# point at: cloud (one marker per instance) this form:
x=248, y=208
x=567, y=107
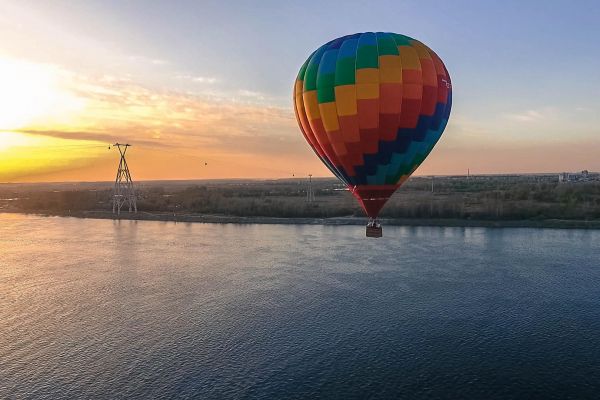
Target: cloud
x=117, y=110
x=144, y=60
x=100, y=136
x=197, y=78
x=157, y=61
x=526, y=116
x=203, y=79
x=250, y=94
x=170, y=131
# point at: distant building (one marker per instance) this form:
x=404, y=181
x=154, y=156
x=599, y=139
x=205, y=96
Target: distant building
x=563, y=177
x=583, y=176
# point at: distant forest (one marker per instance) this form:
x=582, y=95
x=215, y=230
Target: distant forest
x=527, y=197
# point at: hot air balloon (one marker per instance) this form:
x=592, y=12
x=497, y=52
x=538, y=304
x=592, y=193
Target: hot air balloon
x=372, y=106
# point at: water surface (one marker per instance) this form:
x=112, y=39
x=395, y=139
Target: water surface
x=108, y=309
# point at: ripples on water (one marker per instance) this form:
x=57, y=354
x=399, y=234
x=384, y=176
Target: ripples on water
x=106, y=309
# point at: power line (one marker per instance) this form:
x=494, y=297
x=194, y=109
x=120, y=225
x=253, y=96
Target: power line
x=66, y=147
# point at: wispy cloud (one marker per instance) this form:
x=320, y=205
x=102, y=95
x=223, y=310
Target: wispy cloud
x=117, y=109
x=203, y=79
x=582, y=109
x=144, y=60
x=526, y=116
x=197, y=78
x=251, y=94
x=158, y=61
x=173, y=128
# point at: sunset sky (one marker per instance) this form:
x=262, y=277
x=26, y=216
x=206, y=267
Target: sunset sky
x=195, y=82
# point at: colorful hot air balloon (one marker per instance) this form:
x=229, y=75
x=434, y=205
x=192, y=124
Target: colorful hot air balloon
x=372, y=106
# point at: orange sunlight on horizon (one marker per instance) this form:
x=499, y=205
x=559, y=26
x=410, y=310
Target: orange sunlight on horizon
x=57, y=126
x=32, y=95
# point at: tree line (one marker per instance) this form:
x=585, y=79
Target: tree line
x=488, y=198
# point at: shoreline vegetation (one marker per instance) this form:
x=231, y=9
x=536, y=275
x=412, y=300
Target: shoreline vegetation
x=535, y=201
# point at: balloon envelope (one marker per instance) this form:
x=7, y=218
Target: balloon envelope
x=372, y=106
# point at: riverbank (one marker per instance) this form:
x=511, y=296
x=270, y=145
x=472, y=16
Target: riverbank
x=230, y=219
x=538, y=201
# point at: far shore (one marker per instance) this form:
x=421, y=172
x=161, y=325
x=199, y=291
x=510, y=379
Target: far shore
x=350, y=220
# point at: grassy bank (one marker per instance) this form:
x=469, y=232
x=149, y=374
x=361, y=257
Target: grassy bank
x=227, y=219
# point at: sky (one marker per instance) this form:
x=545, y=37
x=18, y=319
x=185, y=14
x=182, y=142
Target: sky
x=203, y=89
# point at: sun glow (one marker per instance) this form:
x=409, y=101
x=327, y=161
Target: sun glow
x=8, y=140
x=38, y=97
x=24, y=157
x=32, y=94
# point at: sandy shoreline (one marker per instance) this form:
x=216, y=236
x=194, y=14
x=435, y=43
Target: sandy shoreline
x=226, y=219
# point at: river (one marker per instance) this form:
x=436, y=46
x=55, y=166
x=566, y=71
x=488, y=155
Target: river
x=146, y=309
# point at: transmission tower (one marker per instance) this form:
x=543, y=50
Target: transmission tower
x=310, y=194
x=124, y=191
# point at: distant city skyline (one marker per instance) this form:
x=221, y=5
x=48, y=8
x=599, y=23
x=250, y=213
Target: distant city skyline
x=203, y=89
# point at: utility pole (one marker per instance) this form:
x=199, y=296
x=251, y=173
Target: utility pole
x=310, y=195
x=124, y=191
x=431, y=198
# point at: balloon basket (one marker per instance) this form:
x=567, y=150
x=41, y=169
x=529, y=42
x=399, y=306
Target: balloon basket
x=374, y=229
